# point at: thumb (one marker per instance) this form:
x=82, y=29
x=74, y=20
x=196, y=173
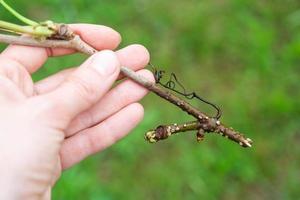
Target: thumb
x=85, y=86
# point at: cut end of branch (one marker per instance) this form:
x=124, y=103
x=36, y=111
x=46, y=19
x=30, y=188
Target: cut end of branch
x=246, y=143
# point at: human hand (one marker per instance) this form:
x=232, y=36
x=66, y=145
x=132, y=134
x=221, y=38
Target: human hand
x=51, y=125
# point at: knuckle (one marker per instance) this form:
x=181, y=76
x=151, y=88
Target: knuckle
x=86, y=119
x=92, y=145
x=123, y=96
x=107, y=133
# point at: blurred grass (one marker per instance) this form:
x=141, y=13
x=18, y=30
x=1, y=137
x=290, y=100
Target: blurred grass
x=242, y=54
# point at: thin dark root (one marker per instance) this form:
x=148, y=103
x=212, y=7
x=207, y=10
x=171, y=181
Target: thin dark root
x=171, y=85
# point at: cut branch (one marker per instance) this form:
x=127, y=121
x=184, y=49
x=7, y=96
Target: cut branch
x=204, y=124
x=165, y=131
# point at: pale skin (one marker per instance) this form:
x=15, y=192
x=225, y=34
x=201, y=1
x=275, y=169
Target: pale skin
x=49, y=126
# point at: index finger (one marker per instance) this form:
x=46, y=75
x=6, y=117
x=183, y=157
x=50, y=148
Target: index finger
x=32, y=58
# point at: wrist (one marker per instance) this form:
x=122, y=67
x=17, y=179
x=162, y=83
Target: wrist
x=19, y=185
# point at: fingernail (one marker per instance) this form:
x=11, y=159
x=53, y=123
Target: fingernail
x=105, y=62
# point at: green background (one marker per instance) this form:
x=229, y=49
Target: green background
x=242, y=54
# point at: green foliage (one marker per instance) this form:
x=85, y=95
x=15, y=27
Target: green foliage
x=243, y=55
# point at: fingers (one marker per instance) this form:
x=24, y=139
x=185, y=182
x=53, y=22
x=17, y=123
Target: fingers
x=119, y=97
x=97, y=138
x=86, y=85
x=134, y=56
x=32, y=58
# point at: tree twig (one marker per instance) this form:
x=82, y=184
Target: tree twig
x=164, y=131
x=204, y=124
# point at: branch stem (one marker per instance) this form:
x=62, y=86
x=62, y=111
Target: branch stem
x=29, y=41
x=203, y=124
